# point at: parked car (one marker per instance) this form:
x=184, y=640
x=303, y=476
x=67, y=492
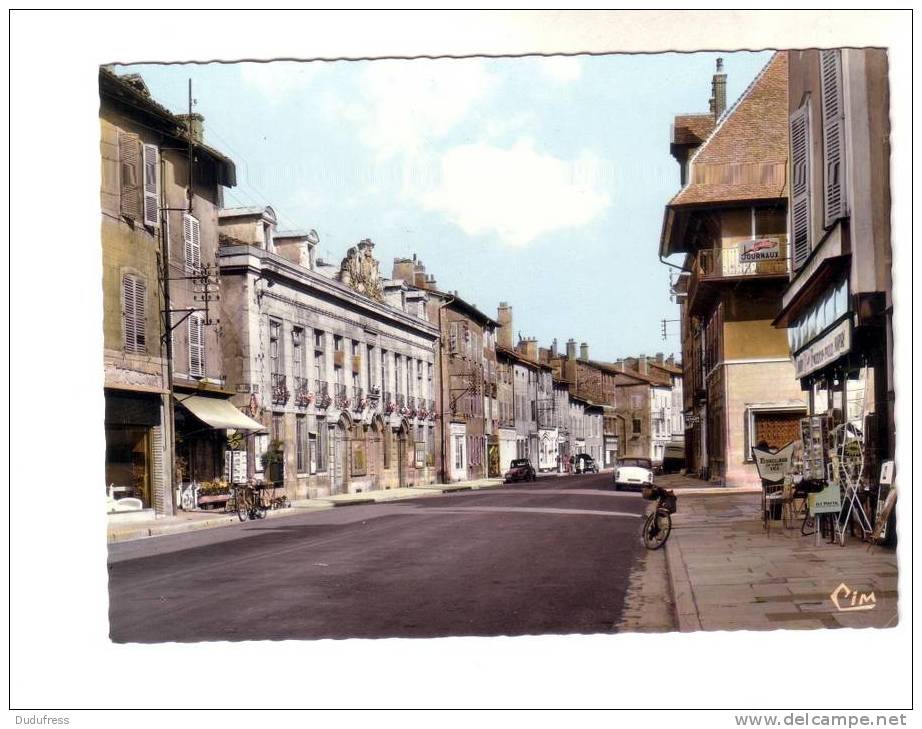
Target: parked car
x=520, y=470
x=633, y=473
x=584, y=463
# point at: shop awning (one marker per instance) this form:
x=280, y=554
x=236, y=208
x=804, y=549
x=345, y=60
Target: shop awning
x=218, y=413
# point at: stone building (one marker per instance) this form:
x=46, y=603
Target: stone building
x=336, y=361
x=729, y=221
x=159, y=235
x=837, y=306
x=466, y=399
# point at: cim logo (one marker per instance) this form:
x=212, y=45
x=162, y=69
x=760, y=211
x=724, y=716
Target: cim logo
x=845, y=599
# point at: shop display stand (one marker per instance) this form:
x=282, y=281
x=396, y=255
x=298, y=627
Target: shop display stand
x=847, y=467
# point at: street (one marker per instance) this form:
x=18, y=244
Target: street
x=552, y=556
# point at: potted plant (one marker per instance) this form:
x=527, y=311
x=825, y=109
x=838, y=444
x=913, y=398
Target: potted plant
x=273, y=462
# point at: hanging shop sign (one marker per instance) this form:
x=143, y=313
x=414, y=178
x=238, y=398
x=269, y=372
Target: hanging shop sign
x=774, y=465
x=824, y=350
x=760, y=249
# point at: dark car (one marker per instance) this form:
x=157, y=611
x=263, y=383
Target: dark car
x=520, y=470
x=584, y=463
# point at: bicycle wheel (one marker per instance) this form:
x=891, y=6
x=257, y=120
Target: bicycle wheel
x=656, y=529
x=260, y=504
x=243, y=505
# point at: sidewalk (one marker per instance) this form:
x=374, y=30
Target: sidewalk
x=187, y=521
x=726, y=574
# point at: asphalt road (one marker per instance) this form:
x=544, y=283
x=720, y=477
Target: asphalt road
x=547, y=557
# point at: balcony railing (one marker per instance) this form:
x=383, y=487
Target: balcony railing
x=303, y=395
x=742, y=261
x=323, y=394
x=280, y=393
x=358, y=399
x=411, y=403
x=340, y=397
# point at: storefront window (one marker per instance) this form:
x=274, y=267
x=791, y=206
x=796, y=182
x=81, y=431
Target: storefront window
x=128, y=461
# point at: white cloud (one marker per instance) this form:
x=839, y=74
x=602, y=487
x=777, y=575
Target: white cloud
x=405, y=106
x=279, y=80
x=516, y=194
x=561, y=68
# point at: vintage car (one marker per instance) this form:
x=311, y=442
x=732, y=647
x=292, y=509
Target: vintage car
x=520, y=470
x=584, y=463
x=633, y=473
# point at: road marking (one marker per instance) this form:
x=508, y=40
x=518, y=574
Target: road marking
x=524, y=510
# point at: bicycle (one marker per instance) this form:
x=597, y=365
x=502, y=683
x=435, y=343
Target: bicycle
x=251, y=502
x=658, y=523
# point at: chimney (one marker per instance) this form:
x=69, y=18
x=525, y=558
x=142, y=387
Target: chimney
x=554, y=348
x=571, y=350
x=504, y=330
x=659, y=358
x=530, y=349
x=429, y=283
x=584, y=352
x=670, y=360
x=719, y=91
x=642, y=364
x=404, y=269
x=419, y=274
x=198, y=126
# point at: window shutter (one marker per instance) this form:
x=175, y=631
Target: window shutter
x=196, y=346
x=151, y=185
x=833, y=137
x=129, y=161
x=800, y=230
x=134, y=292
x=192, y=243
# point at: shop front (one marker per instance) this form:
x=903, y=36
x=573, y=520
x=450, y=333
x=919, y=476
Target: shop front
x=841, y=360
x=211, y=448
x=135, y=449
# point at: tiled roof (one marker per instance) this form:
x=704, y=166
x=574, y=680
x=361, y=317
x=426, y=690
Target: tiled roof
x=692, y=128
x=745, y=157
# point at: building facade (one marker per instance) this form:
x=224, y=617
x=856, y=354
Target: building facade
x=729, y=220
x=837, y=307
x=337, y=362
x=161, y=186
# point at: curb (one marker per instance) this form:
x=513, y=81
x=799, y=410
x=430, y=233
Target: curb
x=683, y=596
x=132, y=534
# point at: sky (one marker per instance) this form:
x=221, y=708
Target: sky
x=538, y=181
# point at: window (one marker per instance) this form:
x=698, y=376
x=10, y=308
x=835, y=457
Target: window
x=129, y=164
x=134, y=321
x=369, y=366
x=151, y=185
x=322, y=440
x=192, y=243
x=833, y=136
x=197, y=344
x=318, y=339
x=312, y=451
x=297, y=356
x=384, y=380
x=320, y=367
x=301, y=445
x=337, y=343
x=636, y=426
x=275, y=356
x=278, y=433
x=800, y=222
x=419, y=379
x=355, y=348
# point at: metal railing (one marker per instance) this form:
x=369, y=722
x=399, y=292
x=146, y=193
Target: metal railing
x=340, y=398
x=280, y=392
x=358, y=396
x=322, y=394
x=302, y=392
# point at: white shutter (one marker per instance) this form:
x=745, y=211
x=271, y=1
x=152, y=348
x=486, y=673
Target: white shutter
x=129, y=164
x=800, y=227
x=192, y=243
x=833, y=137
x=151, y=185
x=140, y=320
x=196, y=345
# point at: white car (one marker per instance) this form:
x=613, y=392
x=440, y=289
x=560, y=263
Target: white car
x=633, y=473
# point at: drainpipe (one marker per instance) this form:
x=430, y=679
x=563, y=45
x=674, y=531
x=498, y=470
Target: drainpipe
x=451, y=300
